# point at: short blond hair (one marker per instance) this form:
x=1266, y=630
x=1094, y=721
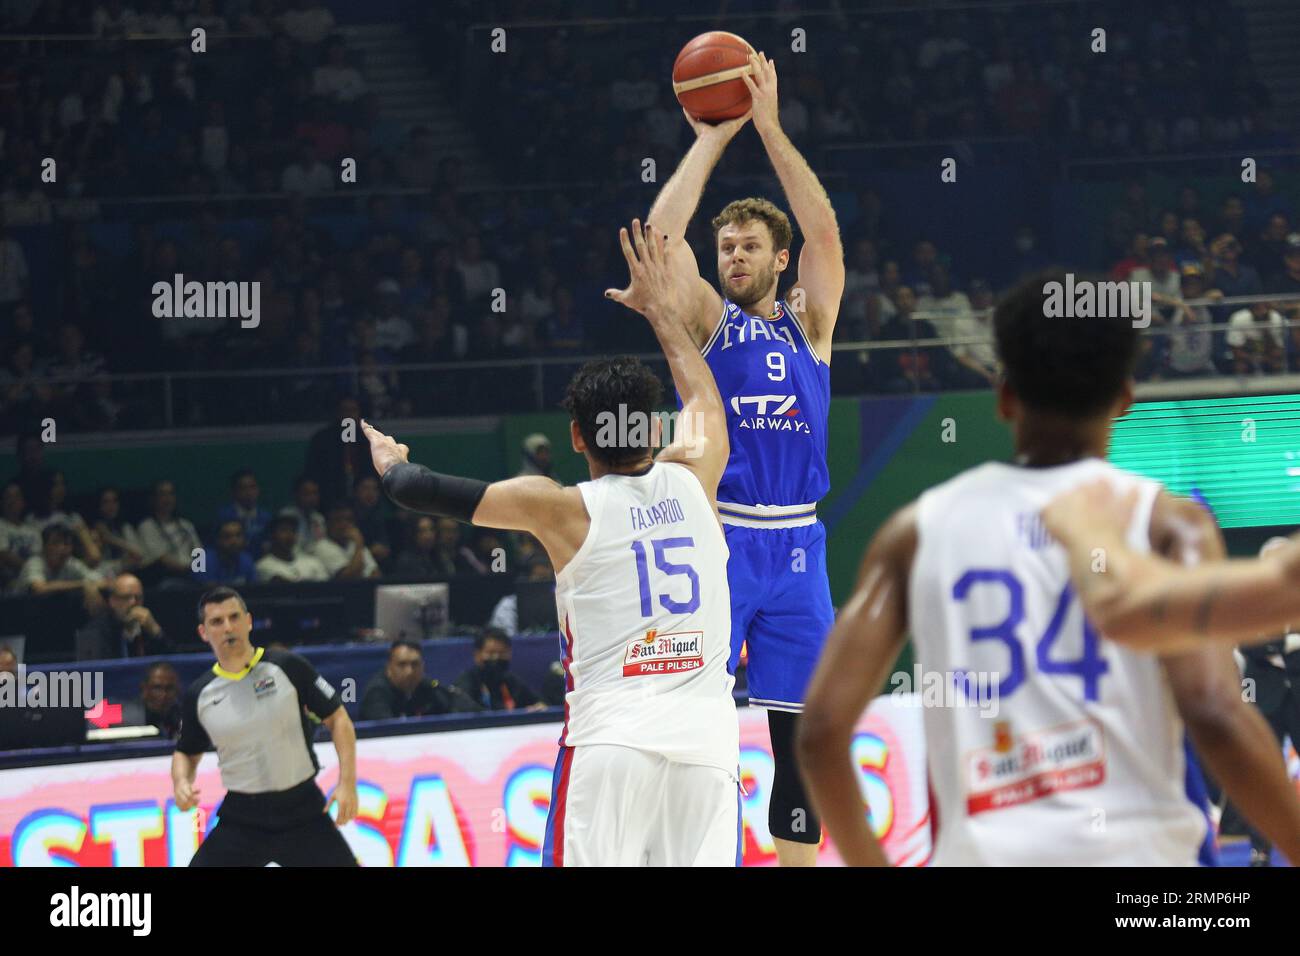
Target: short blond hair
x=754, y=209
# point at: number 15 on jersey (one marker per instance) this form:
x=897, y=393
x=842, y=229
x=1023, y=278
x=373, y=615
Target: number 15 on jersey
x=668, y=599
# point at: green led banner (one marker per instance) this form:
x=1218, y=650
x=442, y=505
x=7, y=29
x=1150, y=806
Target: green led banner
x=1240, y=456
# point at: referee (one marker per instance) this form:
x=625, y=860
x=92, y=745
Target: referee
x=250, y=709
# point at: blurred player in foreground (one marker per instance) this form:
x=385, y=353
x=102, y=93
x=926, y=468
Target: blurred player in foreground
x=1146, y=602
x=648, y=765
x=250, y=709
x=1083, y=759
x=770, y=358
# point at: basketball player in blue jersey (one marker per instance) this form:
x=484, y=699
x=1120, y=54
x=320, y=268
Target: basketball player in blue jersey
x=770, y=358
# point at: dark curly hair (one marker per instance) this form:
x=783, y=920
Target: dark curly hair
x=1072, y=366
x=599, y=388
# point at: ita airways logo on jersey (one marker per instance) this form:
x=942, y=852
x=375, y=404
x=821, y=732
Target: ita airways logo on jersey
x=264, y=687
x=657, y=653
x=773, y=413
x=1020, y=769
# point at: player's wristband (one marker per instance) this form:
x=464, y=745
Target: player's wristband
x=416, y=487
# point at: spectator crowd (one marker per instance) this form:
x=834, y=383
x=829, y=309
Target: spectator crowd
x=442, y=273
x=334, y=524
x=166, y=162
x=109, y=560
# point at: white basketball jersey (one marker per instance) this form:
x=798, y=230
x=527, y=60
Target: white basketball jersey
x=1046, y=745
x=645, y=622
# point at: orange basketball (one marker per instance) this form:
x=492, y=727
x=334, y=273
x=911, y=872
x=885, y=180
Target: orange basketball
x=707, y=76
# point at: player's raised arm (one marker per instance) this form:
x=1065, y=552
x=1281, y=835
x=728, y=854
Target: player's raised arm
x=677, y=200
x=1150, y=603
x=861, y=648
x=653, y=290
x=676, y=204
x=529, y=503
x=821, y=261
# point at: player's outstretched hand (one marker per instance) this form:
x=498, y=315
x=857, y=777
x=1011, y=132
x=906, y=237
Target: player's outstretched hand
x=723, y=131
x=186, y=796
x=345, y=798
x=761, y=81
x=385, y=452
x=651, y=290
x=1092, y=508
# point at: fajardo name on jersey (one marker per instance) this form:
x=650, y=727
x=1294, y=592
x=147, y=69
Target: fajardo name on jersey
x=658, y=653
x=664, y=512
x=773, y=413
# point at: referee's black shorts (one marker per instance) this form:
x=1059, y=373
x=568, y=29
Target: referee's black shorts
x=288, y=828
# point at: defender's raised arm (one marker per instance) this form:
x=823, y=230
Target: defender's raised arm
x=701, y=442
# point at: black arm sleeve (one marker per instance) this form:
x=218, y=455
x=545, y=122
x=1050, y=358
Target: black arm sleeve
x=416, y=487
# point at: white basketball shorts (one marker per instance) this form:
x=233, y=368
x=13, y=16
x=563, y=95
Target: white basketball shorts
x=618, y=806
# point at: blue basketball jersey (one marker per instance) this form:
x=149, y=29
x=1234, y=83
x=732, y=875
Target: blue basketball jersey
x=777, y=394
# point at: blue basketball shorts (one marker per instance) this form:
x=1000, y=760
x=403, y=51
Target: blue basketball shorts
x=780, y=607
